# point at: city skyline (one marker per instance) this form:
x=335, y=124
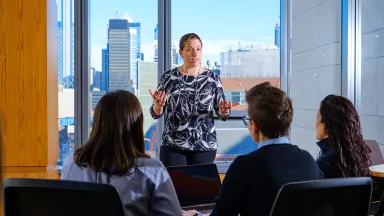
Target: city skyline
x=218, y=35
x=218, y=30
x=124, y=54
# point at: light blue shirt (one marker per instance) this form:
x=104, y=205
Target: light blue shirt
x=148, y=191
x=280, y=140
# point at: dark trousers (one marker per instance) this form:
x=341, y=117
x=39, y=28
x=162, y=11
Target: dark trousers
x=170, y=156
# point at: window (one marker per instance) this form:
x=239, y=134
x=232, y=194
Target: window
x=66, y=74
x=371, y=97
x=235, y=97
x=240, y=39
x=123, y=37
x=315, y=65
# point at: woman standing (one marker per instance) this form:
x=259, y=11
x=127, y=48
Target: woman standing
x=189, y=93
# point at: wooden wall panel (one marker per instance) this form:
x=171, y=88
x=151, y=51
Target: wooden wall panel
x=28, y=83
x=28, y=88
x=29, y=173
x=52, y=84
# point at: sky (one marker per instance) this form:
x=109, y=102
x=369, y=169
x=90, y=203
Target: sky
x=221, y=24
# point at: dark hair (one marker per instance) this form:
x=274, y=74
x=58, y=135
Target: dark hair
x=187, y=37
x=117, y=136
x=342, y=125
x=271, y=109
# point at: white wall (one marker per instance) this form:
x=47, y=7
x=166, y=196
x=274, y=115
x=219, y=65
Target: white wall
x=315, y=64
x=372, y=73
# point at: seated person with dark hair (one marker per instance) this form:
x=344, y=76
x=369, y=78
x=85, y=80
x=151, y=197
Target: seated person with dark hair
x=253, y=180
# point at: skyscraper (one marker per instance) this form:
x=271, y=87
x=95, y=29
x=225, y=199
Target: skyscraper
x=277, y=35
x=67, y=16
x=137, y=26
x=155, y=51
x=60, y=77
x=134, y=57
x=174, y=52
x=97, y=79
x=135, y=48
x=119, y=55
x=104, y=83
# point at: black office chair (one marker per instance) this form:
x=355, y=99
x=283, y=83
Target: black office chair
x=44, y=197
x=331, y=197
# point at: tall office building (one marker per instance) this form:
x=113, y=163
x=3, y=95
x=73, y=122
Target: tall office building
x=155, y=51
x=174, y=52
x=147, y=76
x=97, y=78
x=137, y=27
x=66, y=45
x=134, y=57
x=277, y=35
x=104, y=83
x=119, y=55
x=155, y=46
x=60, y=77
x=68, y=41
x=135, y=48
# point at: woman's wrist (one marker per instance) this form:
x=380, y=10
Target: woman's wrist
x=157, y=110
x=157, y=107
x=224, y=113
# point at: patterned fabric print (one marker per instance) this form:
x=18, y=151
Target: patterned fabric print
x=191, y=100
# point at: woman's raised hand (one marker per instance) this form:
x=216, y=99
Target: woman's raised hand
x=159, y=98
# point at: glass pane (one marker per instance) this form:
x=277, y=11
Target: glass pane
x=66, y=96
x=372, y=71
x=241, y=43
x=315, y=65
x=123, y=44
x=235, y=97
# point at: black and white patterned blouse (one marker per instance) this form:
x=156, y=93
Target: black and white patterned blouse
x=191, y=100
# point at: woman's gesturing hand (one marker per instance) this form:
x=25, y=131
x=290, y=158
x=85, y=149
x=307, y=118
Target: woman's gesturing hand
x=159, y=98
x=225, y=107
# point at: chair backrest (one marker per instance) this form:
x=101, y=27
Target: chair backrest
x=331, y=197
x=44, y=197
x=376, y=156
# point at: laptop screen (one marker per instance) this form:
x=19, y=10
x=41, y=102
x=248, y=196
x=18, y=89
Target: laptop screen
x=196, y=184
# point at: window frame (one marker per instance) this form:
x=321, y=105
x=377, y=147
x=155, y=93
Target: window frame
x=82, y=64
x=81, y=73
x=351, y=51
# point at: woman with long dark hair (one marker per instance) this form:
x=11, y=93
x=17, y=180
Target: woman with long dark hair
x=115, y=154
x=343, y=151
